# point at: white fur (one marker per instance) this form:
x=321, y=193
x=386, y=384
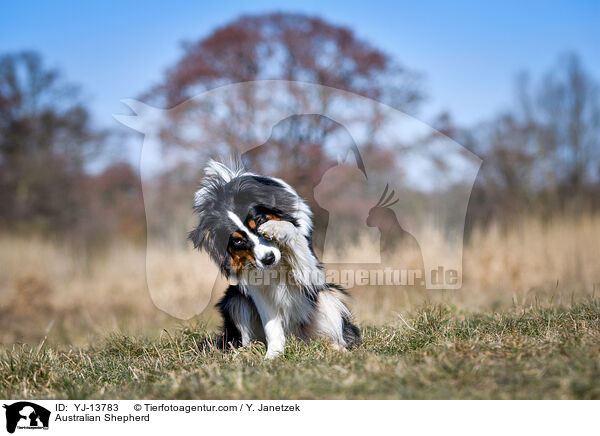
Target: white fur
x=260, y=249
x=216, y=171
x=283, y=307
x=302, y=213
x=328, y=317
x=303, y=264
x=247, y=321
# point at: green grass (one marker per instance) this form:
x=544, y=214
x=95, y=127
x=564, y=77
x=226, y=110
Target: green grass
x=533, y=352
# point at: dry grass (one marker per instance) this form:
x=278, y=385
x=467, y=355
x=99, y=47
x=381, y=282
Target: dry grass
x=520, y=353
x=554, y=263
x=81, y=295
x=524, y=325
x=77, y=295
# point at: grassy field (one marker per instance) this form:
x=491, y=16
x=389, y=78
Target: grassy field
x=435, y=352
x=526, y=324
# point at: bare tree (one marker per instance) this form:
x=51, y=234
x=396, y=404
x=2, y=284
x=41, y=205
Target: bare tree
x=542, y=155
x=291, y=47
x=568, y=117
x=45, y=139
x=281, y=46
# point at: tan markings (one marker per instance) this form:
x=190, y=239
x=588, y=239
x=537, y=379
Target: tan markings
x=252, y=224
x=272, y=217
x=237, y=235
x=240, y=258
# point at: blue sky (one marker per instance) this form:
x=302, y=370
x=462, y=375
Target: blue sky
x=469, y=51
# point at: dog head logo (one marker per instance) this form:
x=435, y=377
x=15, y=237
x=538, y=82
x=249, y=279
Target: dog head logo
x=371, y=151
x=26, y=415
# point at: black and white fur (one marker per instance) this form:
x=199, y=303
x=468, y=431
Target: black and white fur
x=255, y=224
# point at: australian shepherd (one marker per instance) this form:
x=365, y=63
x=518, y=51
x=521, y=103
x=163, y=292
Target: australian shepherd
x=258, y=231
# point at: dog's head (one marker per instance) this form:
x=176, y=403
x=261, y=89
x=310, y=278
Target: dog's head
x=232, y=205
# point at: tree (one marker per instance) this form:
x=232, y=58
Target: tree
x=291, y=47
x=568, y=118
x=46, y=138
x=542, y=155
x=281, y=46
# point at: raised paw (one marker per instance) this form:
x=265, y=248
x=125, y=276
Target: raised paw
x=278, y=231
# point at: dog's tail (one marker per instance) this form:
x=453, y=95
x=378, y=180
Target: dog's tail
x=350, y=332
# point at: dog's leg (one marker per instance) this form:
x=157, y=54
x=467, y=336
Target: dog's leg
x=328, y=319
x=304, y=265
x=272, y=325
x=334, y=321
x=246, y=323
x=278, y=231
x=275, y=337
x=241, y=319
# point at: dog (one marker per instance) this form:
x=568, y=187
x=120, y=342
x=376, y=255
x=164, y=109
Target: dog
x=258, y=231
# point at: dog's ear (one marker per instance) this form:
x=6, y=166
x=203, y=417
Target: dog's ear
x=197, y=238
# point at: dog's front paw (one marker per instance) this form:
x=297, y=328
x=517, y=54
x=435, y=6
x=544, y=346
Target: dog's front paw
x=278, y=231
x=273, y=354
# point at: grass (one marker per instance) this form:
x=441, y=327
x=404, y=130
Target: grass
x=85, y=293
x=433, y=352
x=524, y=325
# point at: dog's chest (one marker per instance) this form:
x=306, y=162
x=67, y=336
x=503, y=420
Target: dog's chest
x=293, y=306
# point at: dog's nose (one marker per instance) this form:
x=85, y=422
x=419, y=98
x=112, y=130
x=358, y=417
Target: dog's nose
x=268, y=259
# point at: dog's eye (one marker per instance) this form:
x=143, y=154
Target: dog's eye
x=238, y=242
